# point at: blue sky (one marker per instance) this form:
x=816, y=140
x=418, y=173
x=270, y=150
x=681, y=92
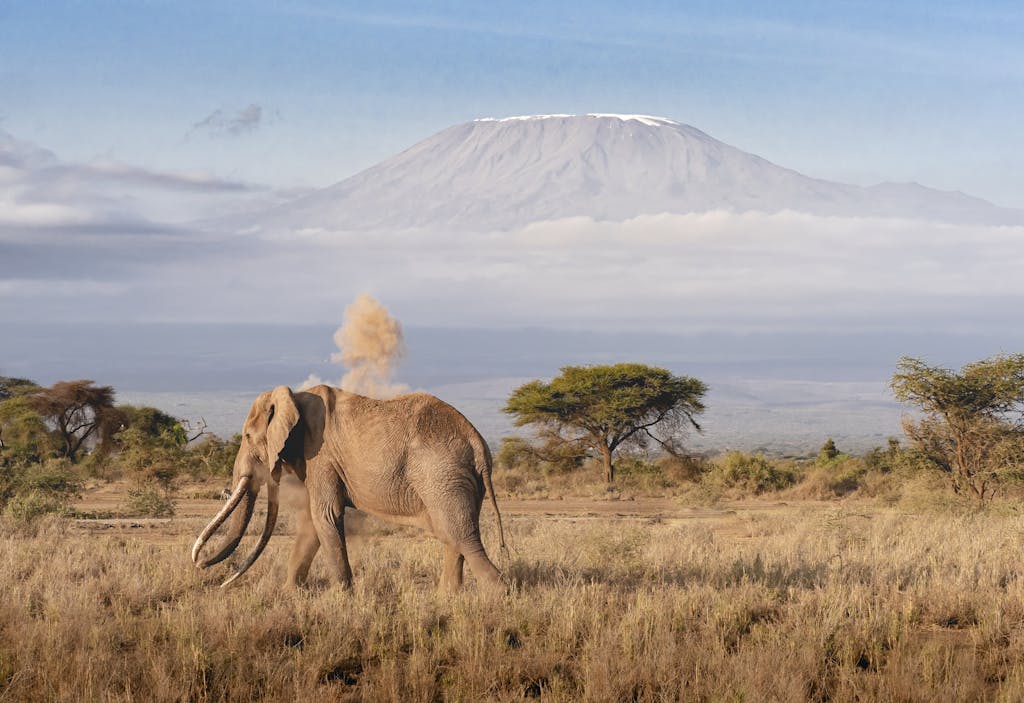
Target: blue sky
x=300, y=94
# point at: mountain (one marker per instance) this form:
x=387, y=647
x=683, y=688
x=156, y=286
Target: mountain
x=495, y=174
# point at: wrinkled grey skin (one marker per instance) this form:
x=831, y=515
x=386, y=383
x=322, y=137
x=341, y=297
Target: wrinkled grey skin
x=414, y=460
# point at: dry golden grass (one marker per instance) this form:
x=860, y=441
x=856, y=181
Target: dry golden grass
x=762, y=603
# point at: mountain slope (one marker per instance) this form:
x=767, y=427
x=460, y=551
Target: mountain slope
x=504, y=173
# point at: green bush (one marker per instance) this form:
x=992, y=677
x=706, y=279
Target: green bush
x=32, y=505
x=635, y=465
x=29, y=490
x=26, y=438
x=554, y=457
x=212, y=457
x=828, y=452
x=752, y=473
x=149, y=501
x=516, y=453
x=883, y=458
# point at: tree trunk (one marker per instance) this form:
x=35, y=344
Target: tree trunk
x=606, y=457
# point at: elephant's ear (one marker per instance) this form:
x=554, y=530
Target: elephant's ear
x=283, y=416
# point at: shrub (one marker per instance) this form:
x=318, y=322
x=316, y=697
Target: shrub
x=681, y=469
x=149, y=501
x=24, y=433
x=884, y=459
x=828, y=452
x=841, y=476
x=28, y=491
x=553, y=457
x=752, y=473
x=212, y=457
x=30, y=506
x=635, y=466
x=516, y=453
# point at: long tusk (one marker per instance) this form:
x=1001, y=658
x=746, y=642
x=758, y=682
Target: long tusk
x=220, y=517
x=268, y=530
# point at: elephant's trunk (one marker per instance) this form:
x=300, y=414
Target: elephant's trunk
x=268, y=530
x=239, y=521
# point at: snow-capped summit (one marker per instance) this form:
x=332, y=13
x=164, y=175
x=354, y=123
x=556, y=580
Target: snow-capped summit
x=643, y=119
x=501, y=173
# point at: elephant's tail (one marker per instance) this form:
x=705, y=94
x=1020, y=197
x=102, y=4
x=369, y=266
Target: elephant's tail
x=484, y=466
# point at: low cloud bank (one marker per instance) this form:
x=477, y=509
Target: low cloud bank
x=707, y=271
x=710, y=271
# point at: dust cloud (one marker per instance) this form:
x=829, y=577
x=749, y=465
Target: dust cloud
x=371, y=346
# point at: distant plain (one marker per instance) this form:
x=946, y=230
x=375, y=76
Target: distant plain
x=784, y=393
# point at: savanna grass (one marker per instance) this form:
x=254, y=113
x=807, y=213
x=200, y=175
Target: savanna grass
x=787, y=604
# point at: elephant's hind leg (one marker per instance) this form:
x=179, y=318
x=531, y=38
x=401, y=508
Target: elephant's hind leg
x=459, y=529
x=451, y=577
x=480, y=564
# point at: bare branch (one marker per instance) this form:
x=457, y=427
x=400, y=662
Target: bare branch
x=194, y=433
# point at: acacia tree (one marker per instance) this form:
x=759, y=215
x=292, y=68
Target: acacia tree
x=604, y=407
x=972, y=427
x=77, y=410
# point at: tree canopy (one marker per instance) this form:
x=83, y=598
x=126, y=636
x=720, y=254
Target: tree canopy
x=972, y=423
x=77, y=410
x=11, y=387
x=604, y=407
x=152, y=425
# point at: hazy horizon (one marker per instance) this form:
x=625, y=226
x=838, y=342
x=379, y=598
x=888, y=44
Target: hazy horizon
x=781, y=392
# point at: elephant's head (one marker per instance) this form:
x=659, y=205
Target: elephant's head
x=270, y=437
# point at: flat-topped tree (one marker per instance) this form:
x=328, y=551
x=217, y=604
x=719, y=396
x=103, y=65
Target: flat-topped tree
x=971, y=425
x=604, y=407
x=77, y=410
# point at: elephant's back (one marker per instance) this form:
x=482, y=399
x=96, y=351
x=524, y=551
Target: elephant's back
x=440, y=421
x=414, y=423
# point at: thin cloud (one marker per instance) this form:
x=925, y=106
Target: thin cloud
x=197, y=182
x=222, y=123
x=24, y=166
x=98, y=226
x=48, y=202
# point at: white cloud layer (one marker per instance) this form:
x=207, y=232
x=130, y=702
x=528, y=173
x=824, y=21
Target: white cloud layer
x=709, y=271
x=713, y=271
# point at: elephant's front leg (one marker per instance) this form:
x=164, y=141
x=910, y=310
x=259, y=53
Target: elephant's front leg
x=306, y=545
x=327, y=511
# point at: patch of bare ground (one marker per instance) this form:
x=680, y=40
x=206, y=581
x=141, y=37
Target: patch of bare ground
x=645, y=600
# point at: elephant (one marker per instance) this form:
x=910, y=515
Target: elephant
x=413, y=460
